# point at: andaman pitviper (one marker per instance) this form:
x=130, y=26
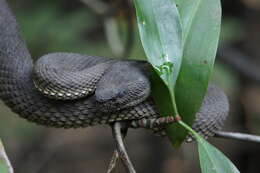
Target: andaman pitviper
x=83, y=90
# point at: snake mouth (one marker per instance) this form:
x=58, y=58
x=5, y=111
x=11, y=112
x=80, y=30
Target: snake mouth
x=111, y=100
x=114, y=101
x=114, y=104
x=109, y=107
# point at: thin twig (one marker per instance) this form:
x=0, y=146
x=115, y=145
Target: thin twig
x=4, y=158
x=117, y=127
x=118, y=47
x=238, y=136
x=97, y=6
x=113, y=36
x=113, y=162
x=239, y=62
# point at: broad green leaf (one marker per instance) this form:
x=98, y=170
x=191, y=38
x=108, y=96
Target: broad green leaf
x=212, y=160
x=201, y=20
x=3, y=164
x=161, y=36
x=3, y=167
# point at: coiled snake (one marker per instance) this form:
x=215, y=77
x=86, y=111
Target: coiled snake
x=67, y=90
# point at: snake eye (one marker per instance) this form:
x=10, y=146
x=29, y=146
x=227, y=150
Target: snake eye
x=120, y=94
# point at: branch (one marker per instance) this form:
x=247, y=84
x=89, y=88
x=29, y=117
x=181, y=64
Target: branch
x=97, y=6
x=119, y=48
x=113, y=36
x=113, y=162
x=115, y=157
x=238, y=136
x=239, y=62
x=116, y=129
x=4, y=158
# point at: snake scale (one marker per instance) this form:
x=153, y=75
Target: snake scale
x=68, y=90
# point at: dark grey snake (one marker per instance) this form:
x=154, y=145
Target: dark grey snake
x=67, y=90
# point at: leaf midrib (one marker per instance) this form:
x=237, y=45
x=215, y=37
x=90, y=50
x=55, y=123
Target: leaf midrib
x=208, y=153
x=194, y=12
x=157, y=29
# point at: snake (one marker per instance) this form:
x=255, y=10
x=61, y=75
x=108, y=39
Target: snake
x=70, y=90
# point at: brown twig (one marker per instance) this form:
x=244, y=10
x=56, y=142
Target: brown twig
x=113, y=162
x=117, y=134
x=4, y=158
x=238, y=136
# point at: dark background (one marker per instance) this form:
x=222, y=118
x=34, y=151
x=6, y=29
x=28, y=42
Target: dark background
x=72, y=26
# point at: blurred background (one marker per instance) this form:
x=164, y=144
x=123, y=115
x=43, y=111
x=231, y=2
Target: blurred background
x=108, y=28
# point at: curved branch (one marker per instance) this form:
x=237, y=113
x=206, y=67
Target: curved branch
x=239, y=62
x=121, y=147
x=238, y=136
x=113, y=162
x=97, y=6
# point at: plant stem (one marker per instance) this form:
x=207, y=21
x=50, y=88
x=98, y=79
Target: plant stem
x=187, y=127
x=176, y=113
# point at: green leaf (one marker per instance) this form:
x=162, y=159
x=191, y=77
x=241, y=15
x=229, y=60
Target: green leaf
x=201, y=21
x=212, y=160
x=3, y=164
x=3, y=167
x=161, y=36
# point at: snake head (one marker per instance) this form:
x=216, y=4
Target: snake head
x=124, y=85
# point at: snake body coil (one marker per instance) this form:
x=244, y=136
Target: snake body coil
x=69, y=90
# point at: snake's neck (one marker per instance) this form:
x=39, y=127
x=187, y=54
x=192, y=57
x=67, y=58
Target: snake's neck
x=15, y=61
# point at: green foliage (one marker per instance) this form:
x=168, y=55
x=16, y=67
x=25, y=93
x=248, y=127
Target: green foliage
x=161, y=35
x=232, y=30
x=166, y=47
x=3, y=164
x=3, y=167
x=211, y=159
x=56, y=31
x=201, y=21
x=192, y=53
